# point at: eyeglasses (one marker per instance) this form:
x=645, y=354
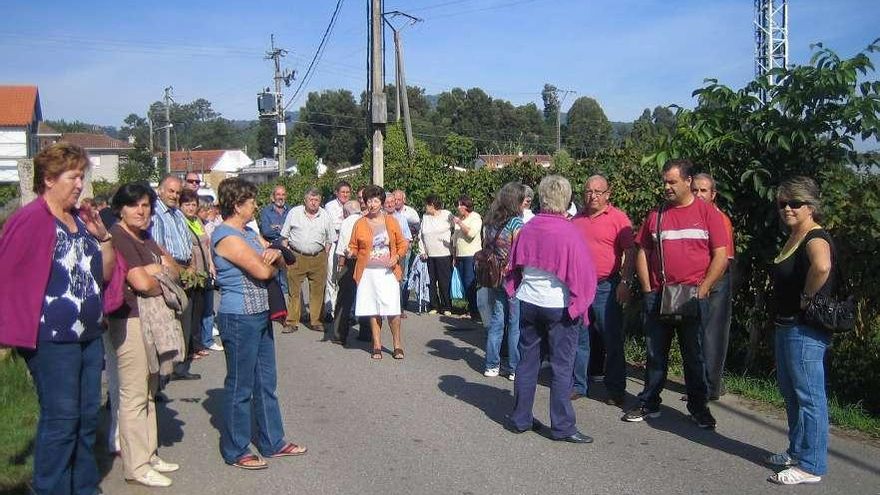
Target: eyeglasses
x=194, y=181
x=595, y=193
x=793, y=204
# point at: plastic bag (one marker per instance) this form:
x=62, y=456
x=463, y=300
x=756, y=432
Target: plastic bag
x=456, y=288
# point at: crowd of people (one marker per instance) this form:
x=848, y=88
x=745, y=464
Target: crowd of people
x=132, y=287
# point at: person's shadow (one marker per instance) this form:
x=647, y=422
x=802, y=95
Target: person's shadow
x=445, y=349
x=496, y=403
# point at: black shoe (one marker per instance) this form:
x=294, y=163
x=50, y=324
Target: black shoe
x=640, y=413
x=704, y=419
x=289, y=328
x=161, y=397
x=536, y=426
x=616, y=400
x=186, y=376
x=576, y=437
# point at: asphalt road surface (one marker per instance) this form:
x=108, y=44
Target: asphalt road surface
x=432, y=423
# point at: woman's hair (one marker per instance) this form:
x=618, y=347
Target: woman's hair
x=467, y=202
x=434, y=200
x=804, y=189
x=55, y=160
x=187, y=196
x=506, y=205
x=233, y=192
x=554, y=192
x=129, y=194
x=374, y=191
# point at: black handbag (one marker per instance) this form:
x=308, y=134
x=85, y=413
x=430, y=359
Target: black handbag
x=833, y=313
x=678, y=302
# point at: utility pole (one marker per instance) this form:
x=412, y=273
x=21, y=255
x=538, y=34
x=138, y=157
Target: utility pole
x=378, y=103
x=150, y=123
x=285, y=77
x=402, y=97
x=168, y=126
x=559, y=101
x=771, y=38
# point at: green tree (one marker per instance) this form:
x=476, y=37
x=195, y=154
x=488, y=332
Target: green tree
x=335, y=123
x=138, y=166
x=459, y=149
x=588, y=129
x=302, y=150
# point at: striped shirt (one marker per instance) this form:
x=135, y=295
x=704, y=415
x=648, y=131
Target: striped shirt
x=689, y=234
x=169, y=230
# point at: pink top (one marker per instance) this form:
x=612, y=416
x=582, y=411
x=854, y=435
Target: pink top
x=689, y=234
x=608, y=235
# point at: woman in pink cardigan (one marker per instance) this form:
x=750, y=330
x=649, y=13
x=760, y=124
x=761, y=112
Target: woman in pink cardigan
x=552, y=274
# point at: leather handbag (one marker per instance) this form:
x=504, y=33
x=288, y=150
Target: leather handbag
x=678, y=302
x=830, y=313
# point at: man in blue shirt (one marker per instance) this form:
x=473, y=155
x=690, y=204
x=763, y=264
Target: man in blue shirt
x=169, y=230
x=272, y=215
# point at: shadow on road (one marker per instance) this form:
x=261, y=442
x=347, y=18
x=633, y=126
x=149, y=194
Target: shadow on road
x=447, y=350
x=213, y=406
x=494, y=402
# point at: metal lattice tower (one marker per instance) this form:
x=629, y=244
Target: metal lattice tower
x=771, y=36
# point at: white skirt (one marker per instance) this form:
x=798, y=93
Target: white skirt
x=378, y=293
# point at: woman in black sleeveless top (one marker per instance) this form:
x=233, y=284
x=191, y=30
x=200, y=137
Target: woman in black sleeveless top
x=802, y=269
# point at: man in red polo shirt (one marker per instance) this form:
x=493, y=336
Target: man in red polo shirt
x=609, y=235
x=716, y=320
x=694, y=252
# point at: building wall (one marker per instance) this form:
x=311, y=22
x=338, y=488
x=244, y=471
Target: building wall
x=13, y=147
x=104, y=166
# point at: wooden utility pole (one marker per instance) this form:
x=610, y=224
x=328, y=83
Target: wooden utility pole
x=285, y=77
x=168, y=126
x=378, y=104
x=402, y=97
x=559, y=101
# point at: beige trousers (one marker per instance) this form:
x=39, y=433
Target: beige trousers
x=313, y=268
x=137, y=389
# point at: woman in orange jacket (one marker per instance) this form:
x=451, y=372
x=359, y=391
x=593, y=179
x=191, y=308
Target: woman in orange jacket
x=378, y=245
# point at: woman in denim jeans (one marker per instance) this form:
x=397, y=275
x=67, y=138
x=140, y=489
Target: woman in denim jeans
x=802, y=270
x=502, y=224
x=244, y=263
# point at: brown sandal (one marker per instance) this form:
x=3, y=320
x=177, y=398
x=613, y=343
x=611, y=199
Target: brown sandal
x=397, y=354
x=377, y=354
x=291, y=449
x=250, y=462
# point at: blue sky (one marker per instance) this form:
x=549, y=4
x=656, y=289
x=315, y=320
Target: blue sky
x=98, y=61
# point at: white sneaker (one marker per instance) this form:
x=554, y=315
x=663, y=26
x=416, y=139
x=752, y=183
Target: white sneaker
x=491, y=372
x=162, y=466
x=511, y=376
x=216, y=346
x=215, y=332
x=152, y=478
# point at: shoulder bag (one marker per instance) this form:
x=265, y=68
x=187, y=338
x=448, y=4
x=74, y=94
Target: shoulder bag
x=487, y=265
x=678, y=302
x=831, y=312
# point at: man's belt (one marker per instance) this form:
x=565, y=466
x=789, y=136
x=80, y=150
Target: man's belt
x=297, y=251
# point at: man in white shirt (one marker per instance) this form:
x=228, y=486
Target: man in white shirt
x=338, y=331
x=308, y=231
x=334, y=208
x=410, y=228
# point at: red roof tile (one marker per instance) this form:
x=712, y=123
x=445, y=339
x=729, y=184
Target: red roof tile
x=44, y=129
x=201, y=161
x=92, y=141
x=17, y=105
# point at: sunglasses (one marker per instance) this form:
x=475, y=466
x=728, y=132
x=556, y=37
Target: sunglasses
x=194, y=181
x=793, y=204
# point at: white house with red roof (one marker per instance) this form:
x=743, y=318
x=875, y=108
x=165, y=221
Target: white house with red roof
x=20, y=116
x=106, y=153
x=212, y=165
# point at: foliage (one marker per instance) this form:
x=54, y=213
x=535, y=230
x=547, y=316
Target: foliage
x=139, y=166
x=302, y=150
x=551, y=102
x=20, y=411
x=753, y=138
x=588, y=129
x=104, y=188
x=335, y=125
x=63, y=126
x=460, y=150
x=8, y=192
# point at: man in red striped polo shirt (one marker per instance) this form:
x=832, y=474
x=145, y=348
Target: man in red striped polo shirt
x=694, y=249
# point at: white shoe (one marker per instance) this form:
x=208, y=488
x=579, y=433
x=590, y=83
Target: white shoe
x=215, y=332
x=162, y=466
x=511, y=376
x=216, y=346
x=152, y=478
x=491, y=372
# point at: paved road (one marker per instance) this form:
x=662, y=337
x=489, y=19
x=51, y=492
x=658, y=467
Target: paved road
x=432, y=424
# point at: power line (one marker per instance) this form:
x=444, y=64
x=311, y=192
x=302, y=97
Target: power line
x=324, y=38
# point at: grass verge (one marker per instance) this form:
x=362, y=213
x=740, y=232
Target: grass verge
x=19, y=411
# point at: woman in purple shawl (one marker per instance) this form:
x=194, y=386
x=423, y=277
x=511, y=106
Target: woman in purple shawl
x=552, y=274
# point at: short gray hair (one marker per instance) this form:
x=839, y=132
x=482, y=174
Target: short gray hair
x=555, y=194
x=804, y=189
x=705, y=176
x=528, y=192
x=312, y=191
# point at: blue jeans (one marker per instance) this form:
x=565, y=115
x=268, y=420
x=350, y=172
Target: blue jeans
x=716, y=333
x=800, y=371
x=207, y=323
x=67, y=377
x=505, y=314
x=468, y=281
x=658, y=339
x=249, y=346
x=554, y=326
x=606, y=331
